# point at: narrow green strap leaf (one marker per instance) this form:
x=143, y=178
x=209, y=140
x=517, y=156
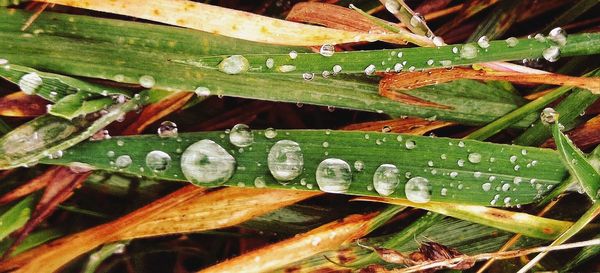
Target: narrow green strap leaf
x=78, y=104
x=32, y=240
x=96, y=258
x=458, y=171
x=15, y=217
x=578, y=166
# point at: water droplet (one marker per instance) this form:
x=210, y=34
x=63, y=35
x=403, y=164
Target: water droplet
x=123, y=161
x=418, y=190
x=412, y=68
x=392, y=6
x=285, y=160
x=241, y=135
x=399, y=138
x=430, y=163
x=207, y=162
x=30, y=82
x=438, y=41
x=293, y=54
x=491, y=178
x=474, y=158
x=337, y=69
x=100, y=135
x=398, y=67
x=147, y=81
x=308, y=76
x=286, y=68
x=486, y=186
x=551, y=53
x=269, y=63
x=512, y=41
x=468, y=51
x=483, y=42
x=549, y=116
x=513, y=159
x=385, y=179
x=359, y=165
x=540, y=38
x=506, y=187
x=202, y=91
x=110, y=153
x=444, y=192
x=370, y=70
x=260, y=182
x=325, y=144
x=453, y=174
x=234, y=64
x=416, y=20
x=446, y=63
x=410, y=144
x=334, y=175
x=327, y=50
x=158, y=160
x=326, y=74
x=430, y=62
x=270, y=133
x=167, y=129
x=477, y=174
x=443, y=156
x=460, y=162
x=558, y=35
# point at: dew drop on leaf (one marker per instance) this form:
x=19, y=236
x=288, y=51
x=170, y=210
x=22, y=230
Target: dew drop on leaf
x=158, y=160
x=474, y=158
x=270, y=133
x=549, y=116
x=285, y=160
x=260, y=182
x=359, y=165
x=486, y=186
x=418, y=190
x=483, y=42
x=202, y=91
x=370, y=70
x=241, y=135
x=385, y=179
x=558, y=36
x=147, y=81
x=512, y=42
x=30, y=82
x=207, y=162
x=167, y=129
x=327, y=50
x=234, y=64
x=410, y=144
x=334, y=175
x=551, y=53
x=123, y=161
x=468, y=51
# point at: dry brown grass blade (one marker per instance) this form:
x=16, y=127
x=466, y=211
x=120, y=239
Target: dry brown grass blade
x=156, y=111
x=415, y=126
x=60, y=186
x=185, y=210
x=390, y=83
x=30, y=186
x=411, y=80
x=326, y=237
x=338, y=17
x=427, y=7
x=226, y=22
x=19, y=104
x=585, y=136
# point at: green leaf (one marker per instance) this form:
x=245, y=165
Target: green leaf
x=503, y=170
x=32, y=240
x=15, y=217
x=578, y=166
x=75, y=105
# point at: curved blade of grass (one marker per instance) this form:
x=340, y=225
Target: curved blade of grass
x=150, y=47
x=571, y=14
x=516, y=222
x=16, y=216
x=534, y=106
x=323, y=238
x=433, y=158
x=404, y=13
x=227, y=22
x=589, y=179
x=578, y=166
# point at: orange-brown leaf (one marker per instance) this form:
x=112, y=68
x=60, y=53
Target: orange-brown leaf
x=416, y=126
x=30, y=186
x=19, y=104
x=156, y=111
x=584, y=136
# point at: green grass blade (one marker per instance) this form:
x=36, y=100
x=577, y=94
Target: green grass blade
x=522, y=173
x=578, y=166
x=4, y=128
x=16, y=216
x=32, y=240
x=498, y=21
x=571, y=14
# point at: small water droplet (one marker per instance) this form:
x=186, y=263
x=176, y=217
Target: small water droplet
x=285, y=160
x=158, y=160
x=438, y=41
x=334, y=175
x=110, y=153
x=477, y=174
x=398, y=67
x=468, y=51
x=202, y=91
x=359, y=165
x=207, y=162
x=241, y=135
x=540, y=38
x=549, y=116
x=123, y=161
x=505, y=187
x=460, y=162
x=337, y=69
x=286, y=68
x=558, y=36
x=551, y=53
x=399, y=138
x=370, y=70
x=270, y=133
x=392, y=6
x=453, y=174
x=483, y=42
x=410, y=144
x=260, y=182
x=430, y=62
x=30, y=82
x=269, y=63
x=385, y=179
x=418, y=190
x=234, y=64
x=444, y=192
x=327, y=50
x=416, y=20
x=513, y=159
x=147, y=81
x=293, y=54
x=308, y=76
x=486, y=186
x=474, y=158
x=512, y=42
x=167, y=129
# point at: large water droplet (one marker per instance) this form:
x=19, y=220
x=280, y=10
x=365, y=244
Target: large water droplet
x=549, y=116
x=234, y=64
x=551, y=53
x=416, y=20
x=483, y=42
x=167, y=129
x=392, y=6
x=474, y=158
x=334, y=175
x=30, y=82
x=241, y=135
x=207, y=162
x=437, y=41
x=558, y=35
x=512, y=42
x=327, y=50
x=123, y=161
x=486, y=186
x=418, y=190
x=385, y=179
x=410, y=144
x=147, y=81
x=158, y=160
x=468, y=51
x=285, y=160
